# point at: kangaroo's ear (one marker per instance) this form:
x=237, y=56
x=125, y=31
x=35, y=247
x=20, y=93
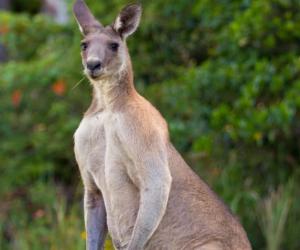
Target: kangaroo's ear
x=85, y=19
x=128, y=20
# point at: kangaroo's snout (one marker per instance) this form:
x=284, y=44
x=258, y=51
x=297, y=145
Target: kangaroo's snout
x=93, y=65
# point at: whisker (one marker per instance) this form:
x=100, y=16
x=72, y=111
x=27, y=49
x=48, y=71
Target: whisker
x=76, y=85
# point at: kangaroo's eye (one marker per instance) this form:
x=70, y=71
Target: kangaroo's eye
x=114, y=46
x=83, y=46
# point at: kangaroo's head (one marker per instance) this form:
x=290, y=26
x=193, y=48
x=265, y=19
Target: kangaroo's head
x=103, y=48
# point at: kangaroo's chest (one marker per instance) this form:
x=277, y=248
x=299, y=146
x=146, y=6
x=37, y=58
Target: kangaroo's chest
x=99, y=151
x=90, y=146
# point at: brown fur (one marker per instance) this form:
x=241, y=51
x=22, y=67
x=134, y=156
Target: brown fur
x=136, y=183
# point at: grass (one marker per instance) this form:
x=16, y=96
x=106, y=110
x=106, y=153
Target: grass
x=273, y=212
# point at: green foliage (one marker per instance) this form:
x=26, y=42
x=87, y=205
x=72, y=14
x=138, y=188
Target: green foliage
x=225, y=74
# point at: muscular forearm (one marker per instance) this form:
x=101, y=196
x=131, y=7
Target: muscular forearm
x=153, y=205
x=95, y=221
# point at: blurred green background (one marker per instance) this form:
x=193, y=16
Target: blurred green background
x=226, y=76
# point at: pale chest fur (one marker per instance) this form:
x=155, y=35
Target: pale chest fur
x=90, y=145
x=99, y=152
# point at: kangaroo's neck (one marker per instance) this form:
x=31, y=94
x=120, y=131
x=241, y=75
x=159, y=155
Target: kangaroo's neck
x=113, y=92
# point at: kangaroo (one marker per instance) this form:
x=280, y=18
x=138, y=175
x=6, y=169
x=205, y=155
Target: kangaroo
x=137, y=187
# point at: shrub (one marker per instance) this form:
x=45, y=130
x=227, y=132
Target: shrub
x=225, y=74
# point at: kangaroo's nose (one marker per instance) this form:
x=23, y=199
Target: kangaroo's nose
x=93, y=65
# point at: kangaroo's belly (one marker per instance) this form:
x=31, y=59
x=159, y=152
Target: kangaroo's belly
x=121, y=195
x=121, y=208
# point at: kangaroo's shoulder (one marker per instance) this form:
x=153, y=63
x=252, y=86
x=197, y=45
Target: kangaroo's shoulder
x=140, y=112
x=141, y=120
